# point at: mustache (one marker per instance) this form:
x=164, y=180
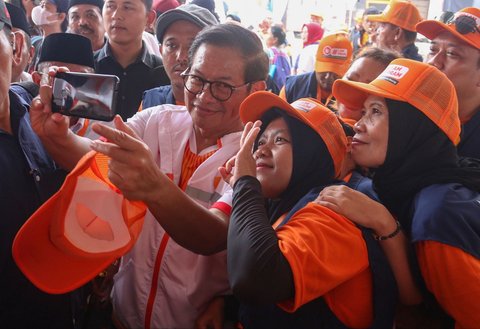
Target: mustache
x=85, y=28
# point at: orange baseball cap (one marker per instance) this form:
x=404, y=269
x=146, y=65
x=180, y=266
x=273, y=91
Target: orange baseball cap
x=419, y=84
x=400, y=13
x=334, y=54
x=307, y=110
x=464, y=25
x=79, y=231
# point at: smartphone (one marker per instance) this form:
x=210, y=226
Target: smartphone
x=85, y=95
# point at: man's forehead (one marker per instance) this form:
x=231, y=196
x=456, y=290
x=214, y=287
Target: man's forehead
x=125, y=1
x=451, y=40
x=83, y=8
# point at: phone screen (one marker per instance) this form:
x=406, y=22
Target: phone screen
x=85, y=95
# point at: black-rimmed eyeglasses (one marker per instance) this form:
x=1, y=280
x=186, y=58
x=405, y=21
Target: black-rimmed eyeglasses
x=221, y=91
x=465, y=23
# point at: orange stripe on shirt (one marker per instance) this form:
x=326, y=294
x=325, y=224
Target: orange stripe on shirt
x=190, y=164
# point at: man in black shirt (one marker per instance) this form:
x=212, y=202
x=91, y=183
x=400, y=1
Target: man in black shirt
x=126, y=56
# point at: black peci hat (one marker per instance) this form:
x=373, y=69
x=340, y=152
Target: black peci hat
x=67, y=48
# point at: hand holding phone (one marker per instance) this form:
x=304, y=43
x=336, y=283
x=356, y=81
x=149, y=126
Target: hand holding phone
x=85, y=95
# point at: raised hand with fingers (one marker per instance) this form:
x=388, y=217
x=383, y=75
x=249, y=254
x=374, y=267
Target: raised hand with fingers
x=243, y=164
x=132, y=167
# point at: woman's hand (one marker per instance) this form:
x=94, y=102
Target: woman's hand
x=242, y=164
x=357, y=207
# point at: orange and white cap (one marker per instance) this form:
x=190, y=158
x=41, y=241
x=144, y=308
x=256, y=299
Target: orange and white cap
x=465, y=25
x=307, y=110
x=79, y=231
x=419, y=84
x=400, y=13
x=334, y=54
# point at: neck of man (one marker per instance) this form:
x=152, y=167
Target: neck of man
x=468, y=107
x=5, y=115
x=178, y=92
x=98, y=44
x=206, y=139
x=126, y=53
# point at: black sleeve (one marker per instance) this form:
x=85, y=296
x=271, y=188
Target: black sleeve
x=257, y=269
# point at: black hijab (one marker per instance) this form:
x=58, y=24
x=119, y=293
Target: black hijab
x=312, y=163
x=419, y=154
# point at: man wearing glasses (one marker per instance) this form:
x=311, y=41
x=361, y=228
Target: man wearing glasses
x=455, y=50
x=167, y=156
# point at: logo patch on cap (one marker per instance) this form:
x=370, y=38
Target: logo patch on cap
x=303, y=106
x=330, y=52
x=394, y=73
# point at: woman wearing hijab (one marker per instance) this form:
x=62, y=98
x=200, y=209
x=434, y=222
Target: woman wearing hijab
x=297, y=265
x=407, y=136
x=311, y=35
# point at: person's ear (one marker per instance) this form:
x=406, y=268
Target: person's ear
x=62, y=16
x=398, y=33
x=151, y=17
x=18, y=48
x=258, y=86
x=36, y=77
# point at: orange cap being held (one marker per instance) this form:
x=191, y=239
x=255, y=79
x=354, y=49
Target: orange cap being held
x=419, y=84
x=334, y=54
x=79, y=231
x=400, y=13
x=307, y=110
x=465, y=25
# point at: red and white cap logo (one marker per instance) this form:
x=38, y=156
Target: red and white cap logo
x=394, y=73
x=332, y=52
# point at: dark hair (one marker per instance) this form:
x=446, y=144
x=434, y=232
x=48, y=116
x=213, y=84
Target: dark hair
x=277, y=32
x=410, y=36
x=234, y=36
x=380, y=55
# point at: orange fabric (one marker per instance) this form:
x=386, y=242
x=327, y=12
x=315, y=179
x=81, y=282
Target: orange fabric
x=400, y=13
x=323, y=97
x=307, y=110
x=431, y=28
x=419, y=84
x=453, y=276
x=334, y=54
x=84, y=128
x=59, y=258
x=328, y=257
x=283, y=94
x=190, y=163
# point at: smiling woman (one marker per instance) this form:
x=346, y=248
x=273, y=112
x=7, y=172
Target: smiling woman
x=297, y=148
x=407, y=136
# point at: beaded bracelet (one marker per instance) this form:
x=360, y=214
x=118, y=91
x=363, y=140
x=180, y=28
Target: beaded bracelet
x=391, y=235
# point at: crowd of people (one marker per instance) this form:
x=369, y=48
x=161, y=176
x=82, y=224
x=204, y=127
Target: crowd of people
x=241, y=184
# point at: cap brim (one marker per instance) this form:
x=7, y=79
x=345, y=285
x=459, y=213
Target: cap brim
x=353, y=94
x=255, y=105
x=377, y=18
x=48, y=268
x=171, y=16
x=432, y=29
